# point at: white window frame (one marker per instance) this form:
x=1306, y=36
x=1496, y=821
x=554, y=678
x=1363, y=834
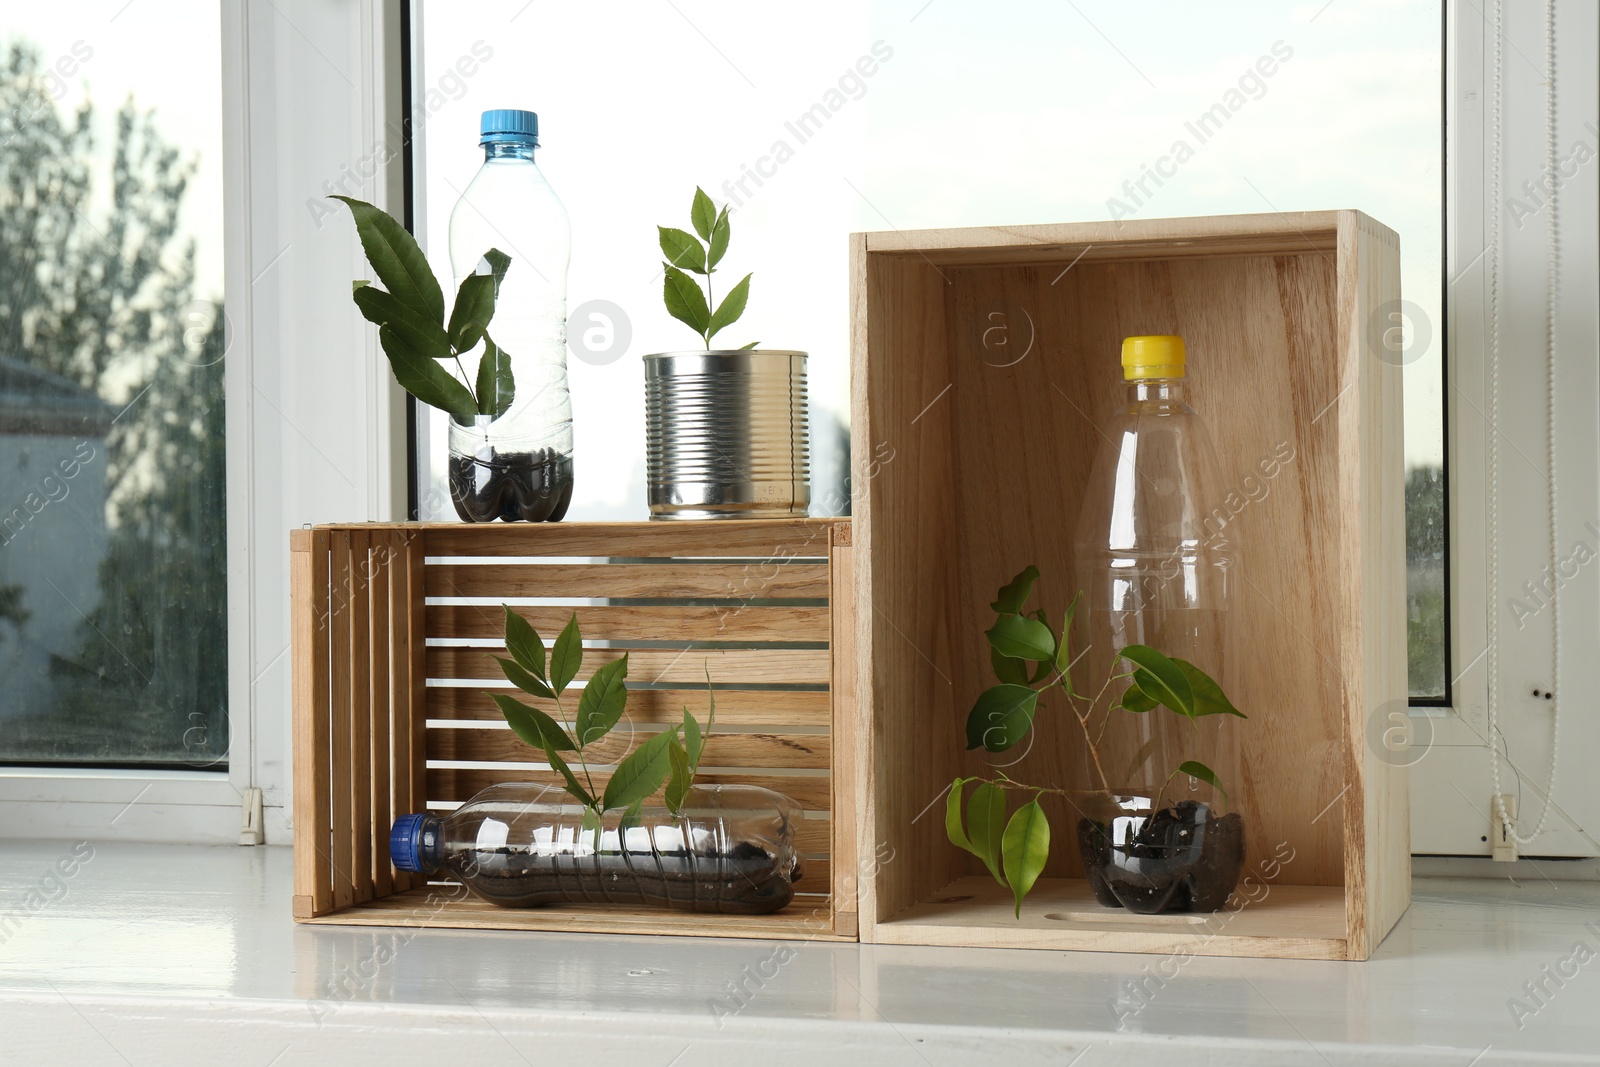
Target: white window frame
x=1450, y=782
x=305, y=444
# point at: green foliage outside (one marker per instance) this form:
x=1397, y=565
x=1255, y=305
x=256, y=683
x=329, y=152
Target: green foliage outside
x=102, y=297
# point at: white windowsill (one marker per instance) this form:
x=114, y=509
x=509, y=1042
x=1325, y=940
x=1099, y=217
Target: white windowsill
x=183, y=954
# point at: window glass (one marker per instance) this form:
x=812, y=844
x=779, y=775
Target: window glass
x=113, y=610
x=933, y=113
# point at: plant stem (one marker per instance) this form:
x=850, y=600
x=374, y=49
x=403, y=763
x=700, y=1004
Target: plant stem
x=477, y=401
x=711, y=305
x=583, y=761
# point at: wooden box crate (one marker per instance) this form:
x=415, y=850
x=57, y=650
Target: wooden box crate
x=984, y=361
x=395, y=627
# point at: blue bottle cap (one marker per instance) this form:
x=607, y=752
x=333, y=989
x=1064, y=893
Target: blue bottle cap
x=405, y=842
x=505, y=125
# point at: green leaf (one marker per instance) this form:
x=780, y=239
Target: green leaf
x=1209, y=699
x=731, y=308
x=1015, y=593
x=1135, y=698
x=1064, y=647
x=703, y=213
x=1196, y=769
x=682, y=777
x=573, y=785
x=472, y=312
x=525, y=680
x=685, y=302
x=533, y=725
x=396, y=260
x=720, y=231
x=496, y=390
x=416, y=331
x=602, y=701
x=642, y=773
x=953, y=827
x=1025, y=848
x=1008, y=670
x=694, y=742
x=748, y=347
x=682, y=249
x=567, y=656
x=1020, y=637
x=631, y=817
x=421, y=376
x=524, y=643
x=986, y=818
x=1161, y=678
x=1001, y=717
x=591, y=823
x=498, y=263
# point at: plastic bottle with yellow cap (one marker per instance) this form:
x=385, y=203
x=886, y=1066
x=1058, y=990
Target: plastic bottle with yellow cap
x=1156, y=562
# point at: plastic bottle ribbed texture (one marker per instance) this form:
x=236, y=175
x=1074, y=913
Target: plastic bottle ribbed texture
x=731, y=851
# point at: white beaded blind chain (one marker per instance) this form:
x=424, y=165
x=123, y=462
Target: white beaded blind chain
x=1552, y=266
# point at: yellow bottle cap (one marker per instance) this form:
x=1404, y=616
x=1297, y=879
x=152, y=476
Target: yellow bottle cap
x=1152, y=356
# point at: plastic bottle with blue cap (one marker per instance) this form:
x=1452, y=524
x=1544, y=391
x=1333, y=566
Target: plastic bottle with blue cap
x=519, y=465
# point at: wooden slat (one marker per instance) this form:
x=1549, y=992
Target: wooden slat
x=455, y=785
x=784, y=538
x=342, y=834
x=360, y=783
x=400, y=780
x=735, y=707
x=450, y=907
x=313, y=880
x=728, y=667
x=845, y=733
x=805, y=751
x=736, y=581
x=664, y=622
x=415, y=653
x=378, y=642
x=1290, y=921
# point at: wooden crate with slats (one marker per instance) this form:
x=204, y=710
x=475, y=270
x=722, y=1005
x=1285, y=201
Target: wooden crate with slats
x=395, y=629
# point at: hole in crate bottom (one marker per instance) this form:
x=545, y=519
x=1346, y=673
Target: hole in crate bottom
x=1119, y=916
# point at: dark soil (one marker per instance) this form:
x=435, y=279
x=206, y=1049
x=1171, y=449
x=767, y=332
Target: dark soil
x=748, y=880
x=1182, y=859
x=525, y=486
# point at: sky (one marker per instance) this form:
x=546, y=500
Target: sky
x=954, y=113
x=166, y=55
x=973, y=114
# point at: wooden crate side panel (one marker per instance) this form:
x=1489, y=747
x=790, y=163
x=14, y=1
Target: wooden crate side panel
x=767, y=708
x=401, y=799
x=1377, y=822
x=1286, y=233
x=903, y=419
x=681, y=667
x=779, y=738
x=729, y=581
x=849, y=868
x=1262, y=368
x=648, y=622
x=757, y=538
x=309, y=607
x=359, y=781
x=342, y=583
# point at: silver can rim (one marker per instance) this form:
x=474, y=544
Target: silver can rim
x=729, y=352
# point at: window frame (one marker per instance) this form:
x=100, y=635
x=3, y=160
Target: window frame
x=1450, y=779
x=282, y=325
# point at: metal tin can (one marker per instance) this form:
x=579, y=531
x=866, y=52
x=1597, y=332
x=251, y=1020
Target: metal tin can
x=727, y=434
